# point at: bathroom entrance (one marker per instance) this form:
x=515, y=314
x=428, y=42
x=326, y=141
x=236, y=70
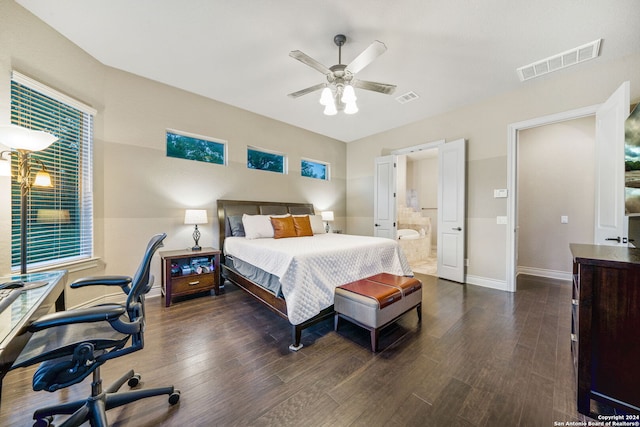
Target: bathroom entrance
x=418, y=211
x=400, y=189
x=417, y=206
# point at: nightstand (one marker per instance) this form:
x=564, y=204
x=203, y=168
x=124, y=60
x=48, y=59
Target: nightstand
x=186, y=272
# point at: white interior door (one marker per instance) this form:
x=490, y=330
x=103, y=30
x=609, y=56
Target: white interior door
x=610, y=220
x=451, y=210
x=384, y=197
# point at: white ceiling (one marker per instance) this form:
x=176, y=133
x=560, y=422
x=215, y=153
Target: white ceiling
x=449, y=52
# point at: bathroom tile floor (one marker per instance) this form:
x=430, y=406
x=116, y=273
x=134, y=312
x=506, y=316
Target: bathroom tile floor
x=430, y=266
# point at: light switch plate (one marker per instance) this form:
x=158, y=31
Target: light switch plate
x=500, y=193
x=501, y=220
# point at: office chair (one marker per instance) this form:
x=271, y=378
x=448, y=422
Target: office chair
x=72, y=344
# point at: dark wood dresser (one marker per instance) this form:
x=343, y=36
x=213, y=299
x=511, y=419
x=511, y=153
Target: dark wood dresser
x=605, y=326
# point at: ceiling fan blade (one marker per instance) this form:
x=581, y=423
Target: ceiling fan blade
x=306, y=59
x=367, y=56
x=307, y=90
x=374, y=86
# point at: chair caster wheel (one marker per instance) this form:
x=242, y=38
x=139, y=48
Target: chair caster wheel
x=44, y=422
x=174, y=397
x=134, y=380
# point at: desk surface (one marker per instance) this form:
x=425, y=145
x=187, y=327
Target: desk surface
x=30, y=305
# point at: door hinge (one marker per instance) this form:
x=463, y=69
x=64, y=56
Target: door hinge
x=394, y=224
x=394, y=194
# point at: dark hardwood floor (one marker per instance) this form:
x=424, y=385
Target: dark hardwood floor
x=481, y=357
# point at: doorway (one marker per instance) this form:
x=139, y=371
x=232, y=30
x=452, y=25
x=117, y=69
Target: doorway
x=419, y=212
x=610, y=222
x=451, y=223
x=555, y=195
x=417, y=206
x=512, y=175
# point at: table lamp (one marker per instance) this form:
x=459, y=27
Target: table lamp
x=195, y=217
x=327, y=216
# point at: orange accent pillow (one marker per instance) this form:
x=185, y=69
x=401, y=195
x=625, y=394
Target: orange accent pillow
x=302, y=225
x=283, y=227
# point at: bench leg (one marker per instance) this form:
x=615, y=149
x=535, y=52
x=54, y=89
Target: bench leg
x=419, y=308
x=335, y=322
x=374, y=340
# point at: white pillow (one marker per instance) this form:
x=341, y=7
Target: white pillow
x=316, y=224
x=257, y=226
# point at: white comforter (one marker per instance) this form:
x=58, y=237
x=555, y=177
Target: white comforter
x=310, y=268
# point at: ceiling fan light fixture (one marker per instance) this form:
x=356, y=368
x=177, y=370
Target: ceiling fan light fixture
x=348, y=95
x=330, y=109
x=351, y=108
x=326, y=97
x=338, y=92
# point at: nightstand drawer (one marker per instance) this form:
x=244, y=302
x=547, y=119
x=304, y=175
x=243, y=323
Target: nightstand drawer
x=192, y=283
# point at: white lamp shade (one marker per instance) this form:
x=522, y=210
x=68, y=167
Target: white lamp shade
x=327, y=215
x=330, y=109
x=326, y=97
x=351, y=108
x=21, y=138
x=42, y=179
x=195, y=216
x=349, y=95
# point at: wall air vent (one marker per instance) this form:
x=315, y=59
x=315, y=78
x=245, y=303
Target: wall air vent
x=562, y=60
x=407, y=97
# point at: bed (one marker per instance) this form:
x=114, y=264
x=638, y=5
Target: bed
x=296, y=277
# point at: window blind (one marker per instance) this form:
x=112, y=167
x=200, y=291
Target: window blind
x=60, y=218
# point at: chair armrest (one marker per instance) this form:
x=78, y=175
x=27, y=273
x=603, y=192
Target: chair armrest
x=99, y=313
x=121, y=281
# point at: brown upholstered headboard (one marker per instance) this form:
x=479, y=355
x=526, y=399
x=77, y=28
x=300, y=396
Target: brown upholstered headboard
x=227, y=208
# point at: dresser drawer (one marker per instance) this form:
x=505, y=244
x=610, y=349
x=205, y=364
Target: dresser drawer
x=192, y=283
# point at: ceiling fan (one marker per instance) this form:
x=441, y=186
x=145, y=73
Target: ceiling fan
x=338, y=93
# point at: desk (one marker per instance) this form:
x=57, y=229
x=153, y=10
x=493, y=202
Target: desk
x=30, y=305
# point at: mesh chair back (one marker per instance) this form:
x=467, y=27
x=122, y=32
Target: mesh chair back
x=141, y=282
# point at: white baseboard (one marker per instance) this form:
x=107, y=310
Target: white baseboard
x=500, y=285
x=541, y=272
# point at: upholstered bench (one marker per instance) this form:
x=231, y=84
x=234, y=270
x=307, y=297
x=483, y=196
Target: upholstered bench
x=377, y=301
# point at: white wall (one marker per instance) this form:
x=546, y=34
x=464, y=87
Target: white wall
x=139, y=191
x=484, y=124
x=555, y=178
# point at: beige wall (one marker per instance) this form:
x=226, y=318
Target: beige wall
x=555, y=178
x=484, y=125
x=138, y=190
x=422, y=175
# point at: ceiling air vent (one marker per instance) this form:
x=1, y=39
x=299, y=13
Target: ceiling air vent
x=407, y=97
x=562, y=60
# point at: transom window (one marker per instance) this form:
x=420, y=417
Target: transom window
x=314, y=169
x=257, y=158
x=190, y=146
